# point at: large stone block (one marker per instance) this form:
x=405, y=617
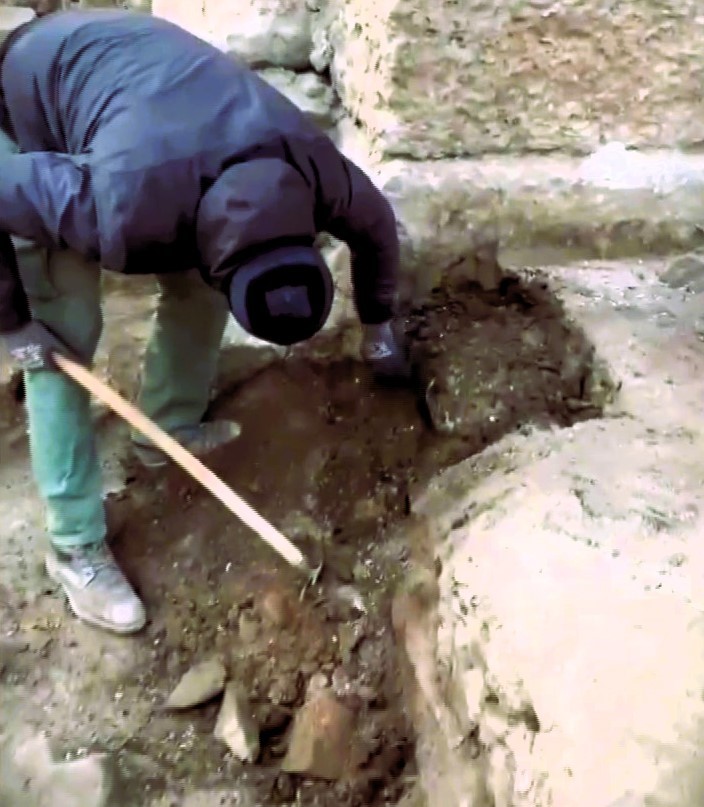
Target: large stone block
x=308, y=91
x=11, y=17
x=268, y=33
x=616, y=203
x=571, y=649
x=434, y=78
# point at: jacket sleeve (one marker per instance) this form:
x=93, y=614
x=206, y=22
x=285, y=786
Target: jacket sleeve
x=353, y=209
x=46, y=198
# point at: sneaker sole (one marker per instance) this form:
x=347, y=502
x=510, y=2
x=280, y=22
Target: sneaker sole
x=87, y=617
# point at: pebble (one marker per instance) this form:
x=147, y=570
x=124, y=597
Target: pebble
x=199, y=685
x=236, y=725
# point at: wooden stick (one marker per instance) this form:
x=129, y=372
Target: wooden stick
x=192, y=465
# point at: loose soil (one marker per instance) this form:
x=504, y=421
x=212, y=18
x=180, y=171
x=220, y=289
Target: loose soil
x=332, y=459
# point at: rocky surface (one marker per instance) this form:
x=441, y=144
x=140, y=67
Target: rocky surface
x=440, y=79
x=614, y=203
x=570, y=586
x=538, y=613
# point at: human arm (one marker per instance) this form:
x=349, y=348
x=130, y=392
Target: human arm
x=354, y=210
x=43, y=197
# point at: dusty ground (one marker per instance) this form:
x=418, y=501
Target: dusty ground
x=331, y=459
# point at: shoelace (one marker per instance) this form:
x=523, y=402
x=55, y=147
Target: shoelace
x=97, y=562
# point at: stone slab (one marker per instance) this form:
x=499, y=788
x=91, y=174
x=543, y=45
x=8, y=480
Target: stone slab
x=439, y=78
x=449, y=211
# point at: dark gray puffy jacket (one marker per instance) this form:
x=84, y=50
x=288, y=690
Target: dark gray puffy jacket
x=151, y=151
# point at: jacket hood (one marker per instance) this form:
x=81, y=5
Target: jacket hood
x=252, y=208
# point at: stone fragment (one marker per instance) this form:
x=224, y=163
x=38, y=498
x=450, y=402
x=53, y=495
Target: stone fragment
x=249, y=628
x=319, y=683
x=243, y=356
x=350, y=635
x=297, y=525
x=685, y=271
x=199, y=685
x=285, y=689
x=321, y=739
x=268, y=33
x=236, y=725
x=80, y=783
x=276, y=608
x=308, y=92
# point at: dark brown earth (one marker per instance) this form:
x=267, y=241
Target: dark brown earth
x=332, y=459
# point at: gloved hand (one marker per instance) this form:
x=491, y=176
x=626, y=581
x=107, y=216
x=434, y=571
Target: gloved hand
x=385, y=349
x=32, y=345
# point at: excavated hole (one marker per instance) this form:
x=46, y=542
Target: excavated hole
x=331, y=459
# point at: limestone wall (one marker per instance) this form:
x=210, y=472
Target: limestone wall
x=438, y=78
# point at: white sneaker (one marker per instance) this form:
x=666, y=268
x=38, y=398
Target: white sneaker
x=97, y=590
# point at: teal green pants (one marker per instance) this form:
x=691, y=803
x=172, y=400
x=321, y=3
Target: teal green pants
x=64, y=292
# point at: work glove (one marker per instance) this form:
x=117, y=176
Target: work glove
x=385, y=349
x=31, y=346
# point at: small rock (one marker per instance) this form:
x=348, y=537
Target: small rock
x=308, y=92
x=275, y=35
x=81, y=783
x=199, y=685
x=685, y=270
x=352, y=596
x=236, y=726
x=321, y=739
x=318, y=683
x=275, y=608
x=299, y=525
x=248, y=628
